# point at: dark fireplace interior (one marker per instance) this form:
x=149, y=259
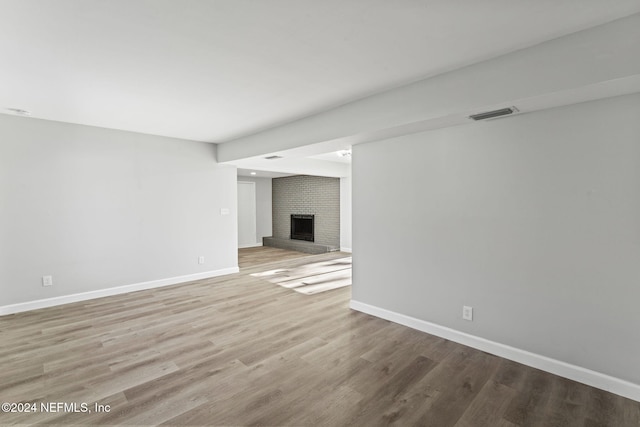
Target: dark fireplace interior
x=302, y=227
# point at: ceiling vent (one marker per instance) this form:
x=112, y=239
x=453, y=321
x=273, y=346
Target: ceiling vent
x=493, y=114
x=19, y=111
x=273, y=157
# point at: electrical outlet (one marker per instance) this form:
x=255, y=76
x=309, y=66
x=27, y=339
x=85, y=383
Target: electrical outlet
x=467, y=313
x=47, y=280
x=201, y=260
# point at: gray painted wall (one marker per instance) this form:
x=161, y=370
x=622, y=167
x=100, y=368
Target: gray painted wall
x=100, y=208
x=533, y=220
x=304, y=194
x=345, y=213
x=264, y=218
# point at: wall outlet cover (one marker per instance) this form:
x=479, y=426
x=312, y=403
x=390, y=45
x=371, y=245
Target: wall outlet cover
x=47, y=280
x=467, y=313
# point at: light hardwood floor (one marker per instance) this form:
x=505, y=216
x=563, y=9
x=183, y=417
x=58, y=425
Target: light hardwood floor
x=249, y=257
x=238, y=350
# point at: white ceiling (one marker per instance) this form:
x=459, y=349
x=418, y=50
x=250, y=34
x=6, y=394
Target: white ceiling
x=260, y=174
x=219, y=69
x=333, y=157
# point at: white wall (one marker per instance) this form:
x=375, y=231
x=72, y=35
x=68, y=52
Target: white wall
x=263, y=206
x=533, y=220
x=98, y=208
x=345, y=214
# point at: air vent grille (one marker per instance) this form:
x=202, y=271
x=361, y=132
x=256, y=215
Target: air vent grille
x=491, y=114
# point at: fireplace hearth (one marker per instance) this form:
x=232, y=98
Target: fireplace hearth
x=302, y=227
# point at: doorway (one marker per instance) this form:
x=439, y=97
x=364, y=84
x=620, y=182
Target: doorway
x=247, y=235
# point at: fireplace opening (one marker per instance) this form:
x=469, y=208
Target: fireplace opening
x=302, y=227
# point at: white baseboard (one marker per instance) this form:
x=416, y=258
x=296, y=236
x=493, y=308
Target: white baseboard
x=251, y=245
x=83, y=296
x=345, y=250
x=557, y=367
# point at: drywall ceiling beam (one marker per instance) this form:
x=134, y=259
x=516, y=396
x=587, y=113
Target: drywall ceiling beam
x=567, y=65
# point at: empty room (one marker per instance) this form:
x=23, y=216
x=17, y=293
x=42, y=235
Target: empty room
x=320, y=213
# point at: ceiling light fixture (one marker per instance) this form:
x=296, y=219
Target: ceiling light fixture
x=19, y=111
x=253, y=173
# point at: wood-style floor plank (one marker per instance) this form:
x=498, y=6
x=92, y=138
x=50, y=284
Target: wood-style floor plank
x=251, y=257
x=237, y=350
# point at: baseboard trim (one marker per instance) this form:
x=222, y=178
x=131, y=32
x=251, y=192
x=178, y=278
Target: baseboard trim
x=557, y=367
x=348, y=250
x=84, y=296
x=252, y=245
